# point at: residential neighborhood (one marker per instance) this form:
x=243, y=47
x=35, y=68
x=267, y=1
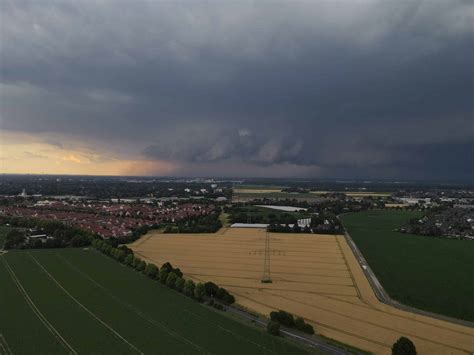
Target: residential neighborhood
x=107, y=219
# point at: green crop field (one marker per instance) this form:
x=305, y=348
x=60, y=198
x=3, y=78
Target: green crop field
x=429, y=273
x=80, y=301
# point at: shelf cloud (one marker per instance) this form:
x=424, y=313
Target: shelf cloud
x=323, y=89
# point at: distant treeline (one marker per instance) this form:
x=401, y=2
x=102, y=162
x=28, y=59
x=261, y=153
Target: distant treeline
x=61, y=235
x=106, y=187
x=197, y=224
x=252, y=214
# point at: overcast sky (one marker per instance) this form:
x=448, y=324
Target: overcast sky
x=346, y=89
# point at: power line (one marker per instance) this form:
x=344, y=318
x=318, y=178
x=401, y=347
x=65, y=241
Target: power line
x=266, y=278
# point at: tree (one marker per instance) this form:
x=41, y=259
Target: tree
x=14, y=238
x=120, y=255
x=171, y=280
x=125, y=249
x=300, y=324
x=403, y=346
x=189, y=288
x=283, y=318
x=211, y=289
x=178, y=272
x=151, y=271
x=136, y=261
x=225, y=296
x=167, y=266
x=141, y=266
x=273, y=328
x=199, y=292
x=163, y=275
x=179, y=284
x=129, y=259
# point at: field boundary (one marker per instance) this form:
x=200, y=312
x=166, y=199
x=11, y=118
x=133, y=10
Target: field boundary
x=36, y=310
x=92, y=314
x=384, y=297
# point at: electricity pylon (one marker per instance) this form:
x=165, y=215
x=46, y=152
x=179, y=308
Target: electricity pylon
x=266, y=262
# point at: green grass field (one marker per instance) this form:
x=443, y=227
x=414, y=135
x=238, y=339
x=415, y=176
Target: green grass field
x=80, y=301
x=432, y=274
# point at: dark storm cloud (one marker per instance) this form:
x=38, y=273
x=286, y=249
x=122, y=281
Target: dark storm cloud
x=350, y=87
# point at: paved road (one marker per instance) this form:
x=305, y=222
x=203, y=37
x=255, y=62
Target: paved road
x=312, y=341
x=383, y=296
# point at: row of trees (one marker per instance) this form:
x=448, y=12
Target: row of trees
x=167, y=274
x=288, y=320
x=107, y=187
x=253, y=214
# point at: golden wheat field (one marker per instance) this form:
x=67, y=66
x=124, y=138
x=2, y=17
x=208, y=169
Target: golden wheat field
x=314, y=276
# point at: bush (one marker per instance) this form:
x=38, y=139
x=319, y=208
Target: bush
x=273, y=328
x=403, y=346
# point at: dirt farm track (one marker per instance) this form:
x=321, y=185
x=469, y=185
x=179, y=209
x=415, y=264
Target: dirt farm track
x=314, y=276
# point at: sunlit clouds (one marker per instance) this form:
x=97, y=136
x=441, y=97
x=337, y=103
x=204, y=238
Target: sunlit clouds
x=20, y=153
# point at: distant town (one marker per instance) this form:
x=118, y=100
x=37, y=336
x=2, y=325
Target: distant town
x=116, y=207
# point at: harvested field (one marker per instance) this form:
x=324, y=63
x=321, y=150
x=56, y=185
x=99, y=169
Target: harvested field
x=314, y=276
